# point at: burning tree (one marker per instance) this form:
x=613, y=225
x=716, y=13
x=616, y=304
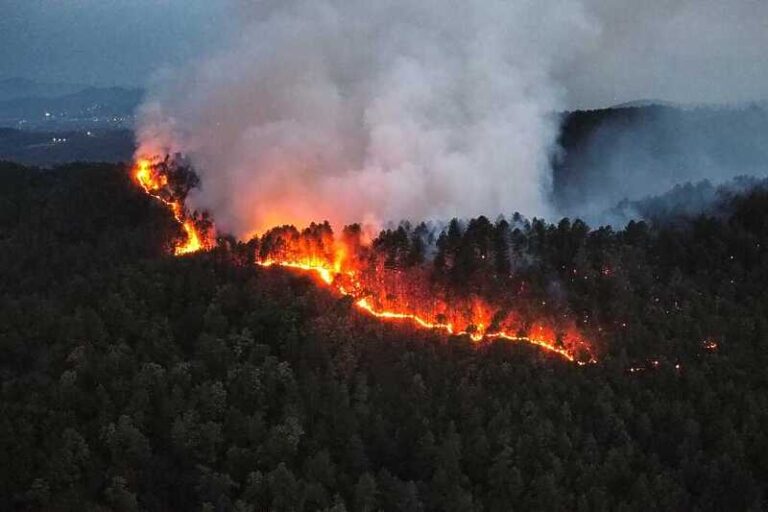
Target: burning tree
x=467, y=287
x=169, y=180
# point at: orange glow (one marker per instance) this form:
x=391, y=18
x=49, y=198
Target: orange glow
x=470, y=318
x=154, y=184
x=351, y=268
x=193, y=243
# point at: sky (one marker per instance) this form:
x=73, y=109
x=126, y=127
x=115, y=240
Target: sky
x=693, y=51
x=110, y=42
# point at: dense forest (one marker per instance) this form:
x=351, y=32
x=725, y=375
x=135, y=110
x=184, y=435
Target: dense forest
x=136, y=380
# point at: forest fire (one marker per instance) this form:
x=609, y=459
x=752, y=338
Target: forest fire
x=540, y=335
x=382, y=288
x=156, y=184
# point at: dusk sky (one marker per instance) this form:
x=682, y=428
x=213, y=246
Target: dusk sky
x=102, y=41
x=690, y=51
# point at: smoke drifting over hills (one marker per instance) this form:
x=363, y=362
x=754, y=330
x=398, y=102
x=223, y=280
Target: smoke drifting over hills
x=380, y=111
x=632, y=153
x=372, y=111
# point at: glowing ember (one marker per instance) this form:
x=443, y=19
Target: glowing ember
x=352, y=269
x=348, y=283
x=155, y=184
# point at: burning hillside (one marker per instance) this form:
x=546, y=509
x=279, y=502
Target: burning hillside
x=469, y=290
x=169, y=184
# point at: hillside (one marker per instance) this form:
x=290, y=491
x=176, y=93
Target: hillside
x=133, y=379
x=629, y=153
x=17, y=87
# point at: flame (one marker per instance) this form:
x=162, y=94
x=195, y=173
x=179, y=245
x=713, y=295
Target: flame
x=349, y=282
x=153, y=184
x=339, y=267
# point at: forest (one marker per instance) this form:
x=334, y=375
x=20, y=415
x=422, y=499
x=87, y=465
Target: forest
x=133, y=379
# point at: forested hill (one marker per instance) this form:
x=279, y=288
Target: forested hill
x=134, y=380
x=630, y=152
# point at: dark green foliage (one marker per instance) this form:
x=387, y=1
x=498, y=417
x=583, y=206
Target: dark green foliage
x=132, y=380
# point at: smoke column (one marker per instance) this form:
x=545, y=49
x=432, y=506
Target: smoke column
x=370, y=111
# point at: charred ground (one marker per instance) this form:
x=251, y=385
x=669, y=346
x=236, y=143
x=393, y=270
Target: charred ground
x=136, y=380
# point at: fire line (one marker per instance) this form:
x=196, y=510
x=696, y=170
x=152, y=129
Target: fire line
x=326, y=275
x=153, y=184
x=332, y=274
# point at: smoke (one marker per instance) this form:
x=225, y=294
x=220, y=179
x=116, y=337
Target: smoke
x=704, y=61
x=682, y=51
x=371, y=111
x=691, y=199
x=376, y=111
x=628, y=154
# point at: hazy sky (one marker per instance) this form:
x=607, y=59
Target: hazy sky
x=689, y=51
x=103, y=41
x=679, y=50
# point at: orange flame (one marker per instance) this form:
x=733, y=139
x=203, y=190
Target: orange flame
x=328, y=260
x=539, y=335
x=153, y=184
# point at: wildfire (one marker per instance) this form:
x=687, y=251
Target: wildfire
x=349, y=282
x=350, y=270
x=155, y=184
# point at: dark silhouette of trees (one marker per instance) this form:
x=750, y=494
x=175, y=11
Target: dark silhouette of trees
x=134, y=380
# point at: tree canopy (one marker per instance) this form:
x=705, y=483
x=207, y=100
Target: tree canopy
x=135, y=380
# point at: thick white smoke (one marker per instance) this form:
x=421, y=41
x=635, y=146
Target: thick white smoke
x=371, y=111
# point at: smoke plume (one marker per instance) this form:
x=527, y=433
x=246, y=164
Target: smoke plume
x=371, y=111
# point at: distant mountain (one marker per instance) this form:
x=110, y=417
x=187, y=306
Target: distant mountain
x=632, y=152
x=647, y=103
x=14, y=88
x=92, y=107
x=652, y=102
x=116, y=100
